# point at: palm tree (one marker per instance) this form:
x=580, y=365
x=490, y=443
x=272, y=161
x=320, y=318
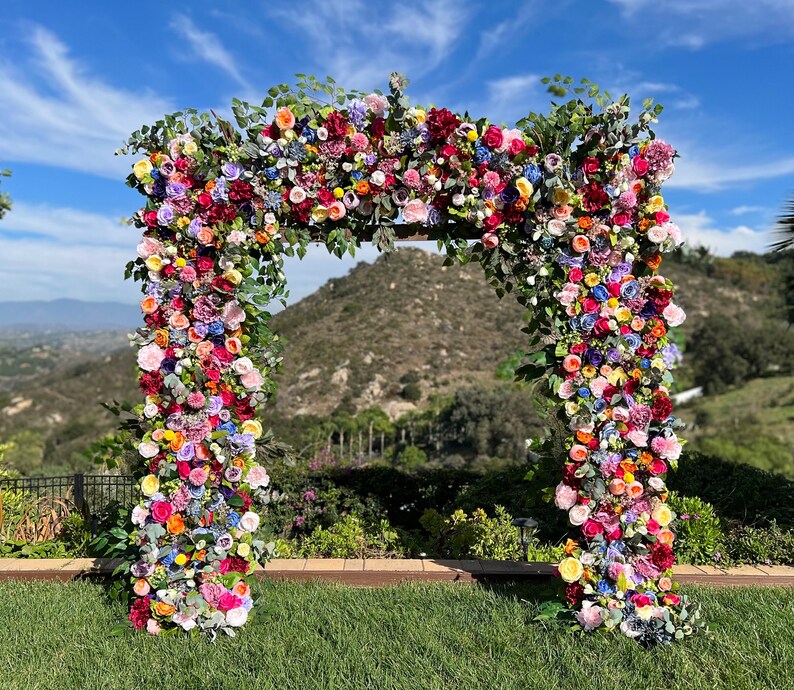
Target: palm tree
x=785, y=229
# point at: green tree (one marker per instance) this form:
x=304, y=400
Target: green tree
x=5, y=199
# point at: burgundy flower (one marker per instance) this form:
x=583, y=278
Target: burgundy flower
x=441, y=123
x=662, y=408
x=662, y=556
x=139, y=612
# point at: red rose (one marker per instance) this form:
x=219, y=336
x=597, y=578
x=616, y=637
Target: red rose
x=150, y=218
x=671, y=599
x=492, y=222
x=590, y=165
x=575, y=275
x=473, y=182
x=240, y=190
x=336, y=124
x=301, y=212
x=640, y=600
x=591, y=528
x=204, y=200
x=161, y=511
x=213, y=375
x=448, y=150
x=615, y=534
x=657, y=467
x=662, y=217
x=601, y=328
x=574, y=593
x=652, y=526
x=578, y=348
x=325, y=196
x=227, y=397
x=182, y=164
x=441, y=123
x=223, y=355
x=229, y=601
x=517, y=145
x=640, y=166
x=378, y=128
x=569, y=475
x=493, y=137
x=614, y=289
x=662, y=556
x=662, y=407
x=246, y=499
x=590, y=305
x=271, y=131
x=621, y=219
x=151, y=382
x=204, y=264
x=532, y=150
x=139, y=612
x=183, y=468
x=174, y=408
x=593, y=197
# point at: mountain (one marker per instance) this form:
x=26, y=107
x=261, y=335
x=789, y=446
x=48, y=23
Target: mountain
x=390, y=333
x=67, y=315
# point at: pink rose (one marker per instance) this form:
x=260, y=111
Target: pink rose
x=566, y=390
x=415, y=211
x=187, y=274
x=232, y=315
x=590, y=616
x=150, y=357
x=161, y=511
x=674, y=315
x=490, y=240
x=640, y=166
x=212, y=593
x=228, y=601
x=252, y=380
x=657, y=234
x=493, y=137
x=377, y=104
x=257, y=477
x=638, y=437
x=565, y=496
x=591, y=528
x=149, y=247
x=667, y=447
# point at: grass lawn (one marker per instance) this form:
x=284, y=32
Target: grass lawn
x=420, y=636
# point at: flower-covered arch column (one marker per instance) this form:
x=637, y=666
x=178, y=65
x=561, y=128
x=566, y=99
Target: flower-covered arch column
x=568, y=215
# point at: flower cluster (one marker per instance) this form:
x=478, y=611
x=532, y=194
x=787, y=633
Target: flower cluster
x=568, y=212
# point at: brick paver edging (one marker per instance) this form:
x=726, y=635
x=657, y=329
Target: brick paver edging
x=376, y=571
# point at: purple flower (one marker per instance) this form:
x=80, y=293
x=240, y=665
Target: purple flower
x=165, y=215
x=231, y=171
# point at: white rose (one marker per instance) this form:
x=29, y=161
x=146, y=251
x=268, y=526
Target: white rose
x=249, y=521
x=236, y=618
x=243, y=366
x=148, y=449
x=657, y=234
x=297, y=195
x=139, y=515
x=322, y=133
x=151, y=410
x=458, y=200
x=378, y=178
x=243, y=549
x=578, y=514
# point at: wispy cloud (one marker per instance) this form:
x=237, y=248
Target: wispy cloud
x=56, y=113
x=360, y=43
x=207, y=46
x=701, y=173
x=512, y=98
x=744, y=210
x=701, y=230
x=694, y=24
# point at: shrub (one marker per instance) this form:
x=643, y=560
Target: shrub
x=474, y=536
x=412, y=392
x=699, y=533
x=768, y=545
x=351, y=537
x=412, y=458
x=19, y=548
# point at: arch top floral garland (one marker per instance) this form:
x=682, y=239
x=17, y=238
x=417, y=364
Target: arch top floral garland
x=568, y=212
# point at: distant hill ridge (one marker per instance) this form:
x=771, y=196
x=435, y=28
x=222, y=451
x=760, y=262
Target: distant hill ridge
x=68, y=314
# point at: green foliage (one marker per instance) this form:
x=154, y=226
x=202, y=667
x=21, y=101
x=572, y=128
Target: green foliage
x=770, y=545
x=19, y=548
x=5, y=199
x=351, y=537
x=473, y=536
x=699, y=533
x=412, y=392
x=412, y=459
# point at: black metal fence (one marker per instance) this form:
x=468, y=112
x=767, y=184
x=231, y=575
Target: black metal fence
x=90, y=493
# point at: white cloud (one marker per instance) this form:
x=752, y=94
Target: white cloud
x=54, y=112
x=744, y=210
x=511, y=98
x=360, y=43
x=700, y=173
x=693, y=24
x=700, y=229
x=207, y=46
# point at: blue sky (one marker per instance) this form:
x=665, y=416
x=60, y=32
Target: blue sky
x=77, y=77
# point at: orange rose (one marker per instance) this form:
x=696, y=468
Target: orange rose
x=583, y=436
x=362, y=187
x=161, y=337
x=199, y=555
x=238, y=462
x=177, y=442
x=163, y=609
x=285, y=119
x=521, y=204
x=658, y=331
x=204, y=349
x=653, y=262
x=580, y=244
x=209, y=186
x=176, y=525
x=233, y=345
x=585, y=222
x=179, y=321
x=149, y=305
x=262, y=237
x=193, y=336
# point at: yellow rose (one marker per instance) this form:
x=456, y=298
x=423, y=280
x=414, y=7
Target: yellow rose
x=623, y=314
x=617, y=377
x=628, y=477
x=243, y=549
x=591, y=279
x=571, y=408
x=420, y=115
x=571, y=569
x=190, y=148
x=252, y=426
x=142, y=168
x=233, y=276
x=612, y=302
x=150, y=485
x=524, y=186
x=169, y=435
x=663, y=515
x=655, y=203
x=320, y=214
x=561, y=196
x=154, y=263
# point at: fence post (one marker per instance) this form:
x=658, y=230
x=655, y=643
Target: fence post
x=79, y=493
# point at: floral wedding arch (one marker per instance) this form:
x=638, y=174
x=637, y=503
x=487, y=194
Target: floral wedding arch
x=567, y=215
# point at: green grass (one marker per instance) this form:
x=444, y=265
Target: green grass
x=410, y=636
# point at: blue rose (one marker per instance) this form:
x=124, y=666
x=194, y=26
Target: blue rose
x=600, y=405
x=600, y=293
x=630, y=289
x=309, y=134
x=645, y=362
x=605, y=587
x=271, y=173
x=356, y=175
x=632, y=340
x=532, y=173
x=584, y=392
x=168, y=559
x=482, y=155
x=232, y=518
x=648, y=310
x=229, y=427
x=510, y=195
x=594, y=357
x=215, y=328
x=588, y=322
x=634, y=151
